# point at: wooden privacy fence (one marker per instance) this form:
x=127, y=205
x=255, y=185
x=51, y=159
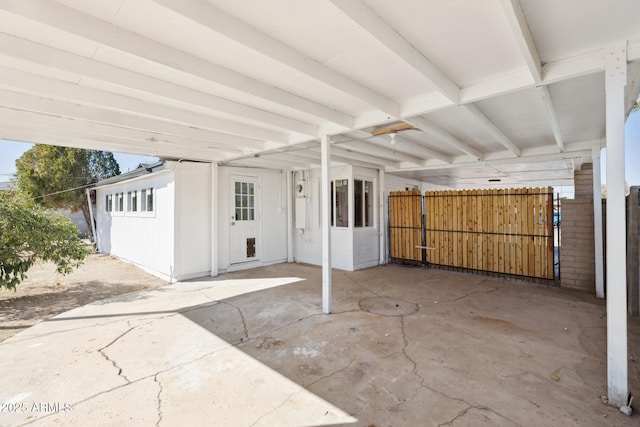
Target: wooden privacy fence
x=506, y=231
x=406, y=230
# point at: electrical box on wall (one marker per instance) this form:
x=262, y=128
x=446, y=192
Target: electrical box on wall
x=301, y=213
x=301, y=189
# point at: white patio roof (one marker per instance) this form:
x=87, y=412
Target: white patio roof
x=493, y=89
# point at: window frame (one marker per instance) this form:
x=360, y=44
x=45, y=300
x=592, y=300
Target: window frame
x=108, y=203
x=118, y=207
x=345, y=220
x=367, y=210
x=147, y=194
x=244, y=201
x=132, y=202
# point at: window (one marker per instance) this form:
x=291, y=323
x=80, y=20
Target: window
x=244, y=201
x=363, y=203
x=146, y=200
x=119, y=202
x=108, y=203
x=340, y=203
x=132, y=201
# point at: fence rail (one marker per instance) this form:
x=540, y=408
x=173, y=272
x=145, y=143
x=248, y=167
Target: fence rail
x=507, y=231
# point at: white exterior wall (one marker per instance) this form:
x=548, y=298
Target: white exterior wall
x=193, y=220
x=172, y=242
x=272, y=215
x=351, y=248
x=144, y=239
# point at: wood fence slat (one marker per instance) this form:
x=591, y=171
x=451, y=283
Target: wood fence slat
x=526, y=266
x=534, y=248
x=417, y=232
x=508, y=231
x=550, y=239
x=459, y=228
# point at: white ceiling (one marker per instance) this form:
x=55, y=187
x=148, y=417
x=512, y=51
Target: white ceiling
x=498, y=89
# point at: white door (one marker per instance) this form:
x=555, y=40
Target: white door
x=244, y=234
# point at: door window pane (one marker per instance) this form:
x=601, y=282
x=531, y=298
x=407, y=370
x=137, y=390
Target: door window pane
x=244, y=201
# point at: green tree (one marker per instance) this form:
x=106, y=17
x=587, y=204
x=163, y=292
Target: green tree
x=29, y=233
x=636, y=106
x=56, y=177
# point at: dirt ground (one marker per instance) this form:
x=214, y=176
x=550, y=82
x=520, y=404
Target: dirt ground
x=45, y=293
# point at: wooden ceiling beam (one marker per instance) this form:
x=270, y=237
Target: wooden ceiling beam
x=36, y=54
x=391, y=39
x=218, y=21
x=57, y=97
x=73, y=22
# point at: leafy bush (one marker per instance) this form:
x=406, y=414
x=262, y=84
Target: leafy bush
x=29, y=233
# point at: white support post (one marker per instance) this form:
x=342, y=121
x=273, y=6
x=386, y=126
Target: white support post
x=597, y=221
x=214, y=219
x=382, y=218
x=615, y=82
x=289, y=216
x=326, y=223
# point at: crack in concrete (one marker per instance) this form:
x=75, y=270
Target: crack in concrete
x=337, y=371
x=197, y=307
x=300, y=319
x=483, y=291
x=423, y=383
x=353, y=279
x=129, y=382
x=303, y=388
x=460, y=415
x=244, y=323
x=159, y=399
x=479, y=408
x=113, y=362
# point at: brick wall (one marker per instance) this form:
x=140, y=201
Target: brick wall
x=577, y=254
x=583, y=182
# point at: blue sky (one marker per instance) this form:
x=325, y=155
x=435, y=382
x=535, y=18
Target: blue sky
x=11, y=150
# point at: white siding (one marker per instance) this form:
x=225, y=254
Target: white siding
x=272, y=215
x=351, y=248
x=193, y=220
x=172, y=242
x=145, y=239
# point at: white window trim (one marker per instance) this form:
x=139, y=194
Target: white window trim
x=128, y=210
x=115, y=211
x=349, y=203
x=108, y=197
x=374, y=201
x=147, y=213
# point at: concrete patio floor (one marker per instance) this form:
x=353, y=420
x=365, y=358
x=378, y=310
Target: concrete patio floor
x=405, y=347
